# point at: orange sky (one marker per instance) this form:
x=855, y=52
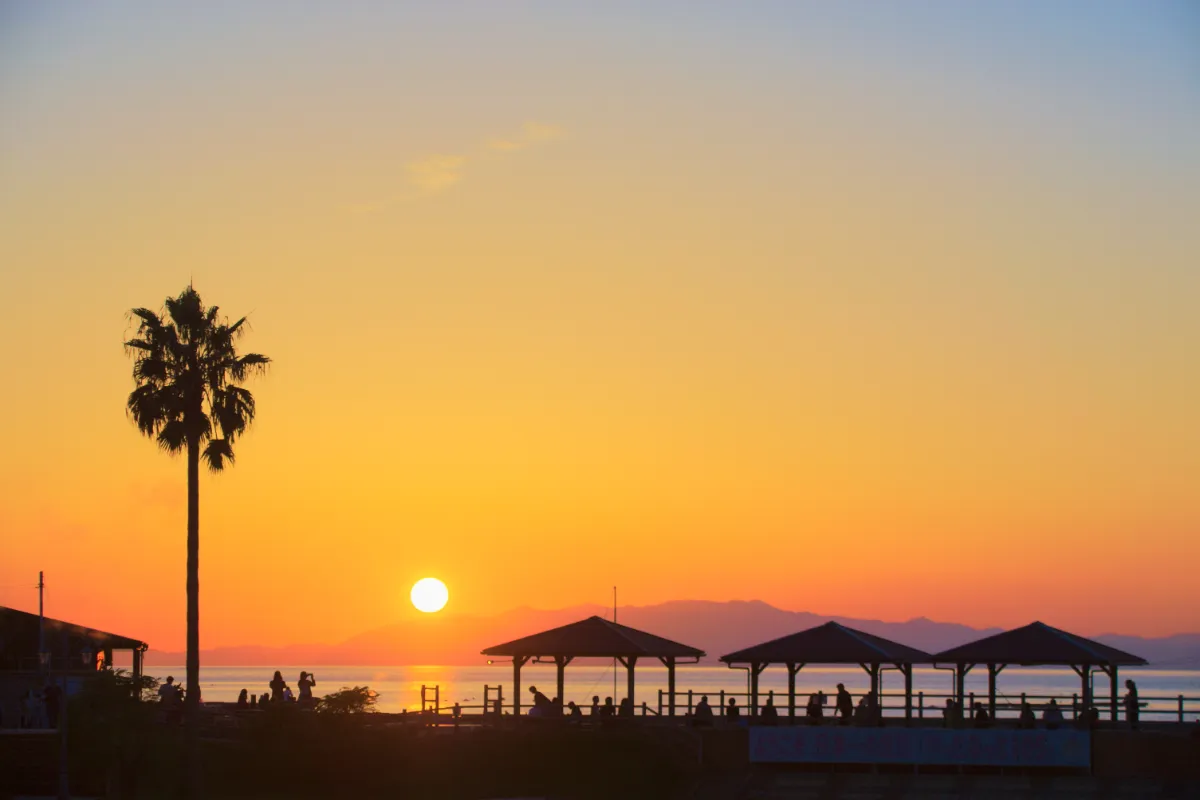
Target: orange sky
x=884, y=318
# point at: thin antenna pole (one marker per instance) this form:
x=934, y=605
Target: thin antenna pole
x=614, y=660
x=41, y=617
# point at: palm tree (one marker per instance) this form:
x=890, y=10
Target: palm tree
x=188, y=398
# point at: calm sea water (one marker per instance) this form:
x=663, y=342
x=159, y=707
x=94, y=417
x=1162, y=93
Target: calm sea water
x=400, y=687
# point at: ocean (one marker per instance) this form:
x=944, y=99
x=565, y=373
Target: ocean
x=399, y=687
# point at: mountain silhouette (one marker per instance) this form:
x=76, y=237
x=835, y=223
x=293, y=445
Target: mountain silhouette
x=715, y=627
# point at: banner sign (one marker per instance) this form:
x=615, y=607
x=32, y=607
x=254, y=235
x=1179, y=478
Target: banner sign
x=985, y=747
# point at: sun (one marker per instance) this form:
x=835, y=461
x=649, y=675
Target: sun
x=429, y=595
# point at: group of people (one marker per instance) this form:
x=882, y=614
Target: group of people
x=39, y=708
x=281, y=693
x=544, y=706
x=866, y=712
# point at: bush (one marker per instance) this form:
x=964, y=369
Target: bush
x=350, y=700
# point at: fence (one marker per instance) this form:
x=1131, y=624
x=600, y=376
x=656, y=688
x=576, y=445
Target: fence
x=1178, y=709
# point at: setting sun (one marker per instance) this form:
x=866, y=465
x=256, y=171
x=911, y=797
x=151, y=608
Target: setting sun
x=429, y=595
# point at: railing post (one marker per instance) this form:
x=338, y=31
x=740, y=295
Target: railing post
x=920, y=705
x=643, y=708
x=1074, y=706
x=660, y=691
x=689, y=701
x=1180, y=709
x=972, y=703
x=722, y=702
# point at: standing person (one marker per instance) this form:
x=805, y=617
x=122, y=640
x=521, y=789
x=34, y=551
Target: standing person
x=1052, y=715
x=306, y=683
x=732, y=711
x=813, y=711
x=845, y=704
x=769, y=715
x=243, y=700
x=704, y=712
x=608, y=709
x=595, y=705
x=277, y=685
x=1132, y=706
x=168, y=691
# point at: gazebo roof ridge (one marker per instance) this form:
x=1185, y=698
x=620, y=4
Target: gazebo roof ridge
x=594, y=637
x=1038, y=644
x=829, y=643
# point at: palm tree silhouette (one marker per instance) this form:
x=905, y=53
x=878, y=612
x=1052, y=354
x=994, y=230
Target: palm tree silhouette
x=187, y=373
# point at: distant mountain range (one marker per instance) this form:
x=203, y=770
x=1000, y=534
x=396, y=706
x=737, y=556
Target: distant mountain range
x=715, y=627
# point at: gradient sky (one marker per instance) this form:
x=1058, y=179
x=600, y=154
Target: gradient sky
x=874, y=309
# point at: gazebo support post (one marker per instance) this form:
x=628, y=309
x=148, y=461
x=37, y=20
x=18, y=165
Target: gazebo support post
x=792, y=669
x=908, y=709
x=561, y=663
x=1112, y=690
x=669, y=663
x=628, y=662
x=756, y=668
x=518, y=662
x=960, y=685
x=993, y=671
x=1084, y=671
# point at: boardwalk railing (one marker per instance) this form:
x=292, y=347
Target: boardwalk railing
x=1179, y=708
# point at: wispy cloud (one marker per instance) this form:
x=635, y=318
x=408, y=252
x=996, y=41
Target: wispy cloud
x=531, y=133
x=436, y=173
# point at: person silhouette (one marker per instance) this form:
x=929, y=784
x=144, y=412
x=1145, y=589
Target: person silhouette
x=844, y=703
x=1133, y=708
x=732, y=711
x=1052, y=715
x=982, y=719
x=263, y=700
x=306, y=683
x=1027, y=721
x=595, y=705
x=243, y=700
x=608, y=709
x=813, y=711
x=253, y=700
x=277, y=685
x=626, y=709
x=575, y=711
x=769, y=714
x=704, y=713
x=541, y=703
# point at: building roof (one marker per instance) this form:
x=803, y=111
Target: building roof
x=594, y=637
x=1038, y=644
x=831, y=643
x=19, y=632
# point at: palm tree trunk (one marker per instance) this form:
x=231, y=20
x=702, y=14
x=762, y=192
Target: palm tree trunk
x=191, y=732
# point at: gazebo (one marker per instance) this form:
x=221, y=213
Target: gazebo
x=594, y=637
x=1038, y=645
x=831, y=643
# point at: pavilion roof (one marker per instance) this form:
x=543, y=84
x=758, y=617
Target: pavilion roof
x=19, y=631
x=831, y=643
x=594, y=637
x=1038, y=644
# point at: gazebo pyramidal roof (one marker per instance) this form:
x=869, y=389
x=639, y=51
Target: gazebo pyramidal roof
x=831, y=643
x=1038, y=644
x=594, y=637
